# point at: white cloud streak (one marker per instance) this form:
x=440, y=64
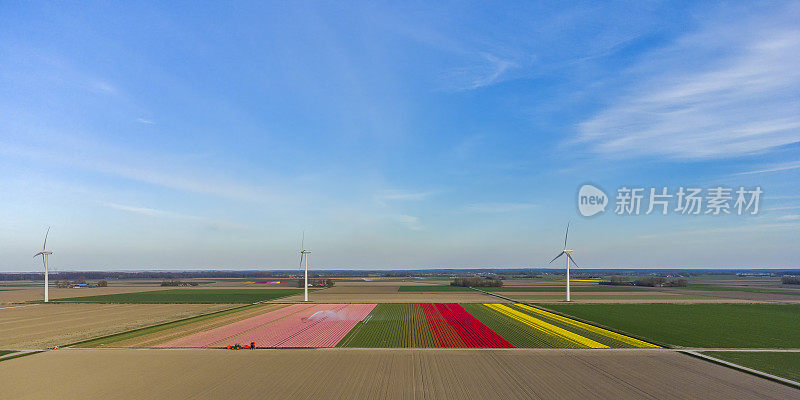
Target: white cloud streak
x=156, y=213
x=497, y=207
x=741, y=99
x=776, y=168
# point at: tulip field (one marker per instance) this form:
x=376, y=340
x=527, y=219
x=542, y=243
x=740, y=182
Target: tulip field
x=405, y=325
x=298, y=325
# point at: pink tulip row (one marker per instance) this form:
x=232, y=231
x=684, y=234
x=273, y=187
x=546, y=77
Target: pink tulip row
x=298, y=325
x=326, y=329
x=206, y=338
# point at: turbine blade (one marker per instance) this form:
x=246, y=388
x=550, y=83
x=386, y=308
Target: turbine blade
x=556, y=257
x=301, y=259
x=303, y=242
x=573, y=260
x=45, y=238
x=566, y=235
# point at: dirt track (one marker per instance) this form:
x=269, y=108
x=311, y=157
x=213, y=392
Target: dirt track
x=379, y=374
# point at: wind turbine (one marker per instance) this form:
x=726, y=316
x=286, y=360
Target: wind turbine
x=304, y=255
x=569, y=257
x=44, y=253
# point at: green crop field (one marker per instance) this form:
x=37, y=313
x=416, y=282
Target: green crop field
x=582, y=296
x=433, y=288
x=783, y=364
x=517, y=333
x=198, y=296
x=699, y=325
x=715, y=288
x=391, y=325
x=4, y=352
x=562, y=288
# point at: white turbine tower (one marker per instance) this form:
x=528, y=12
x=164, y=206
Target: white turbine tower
x=44, y=253
x=304, y=255
x=569, y=257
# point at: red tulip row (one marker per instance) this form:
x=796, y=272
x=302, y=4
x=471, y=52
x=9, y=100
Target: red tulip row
x=472, y=331
x=452, y=326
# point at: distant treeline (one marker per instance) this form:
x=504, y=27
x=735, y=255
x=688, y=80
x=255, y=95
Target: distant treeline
x=477, y=281
x=654, y=281
x=791, y=280
x=175, y=282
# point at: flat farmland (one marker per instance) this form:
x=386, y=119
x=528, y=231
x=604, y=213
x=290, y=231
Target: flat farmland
x=699, y=325
x=385, y=374
x=188, y=296
x=390, y=292
x=783, y=364
x=36, y=293
x=45, y=325
x=155, y=335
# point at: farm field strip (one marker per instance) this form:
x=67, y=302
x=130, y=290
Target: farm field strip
x=152, y=336
x=298, y=325
x=546, y=327
x=517, y=333
x=591, y=328
x=391, y=325
x=768, y=326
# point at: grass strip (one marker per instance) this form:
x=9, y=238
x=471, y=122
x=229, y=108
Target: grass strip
x=783, y=364
x=21, y=355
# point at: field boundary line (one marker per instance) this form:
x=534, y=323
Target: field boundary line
x=19, y=354
x=159, y=324
x=751, y=371
x=621, y=332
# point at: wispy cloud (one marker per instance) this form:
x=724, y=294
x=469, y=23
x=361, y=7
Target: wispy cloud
x=152, y=212
x=487, y=70
x=401, y=195
x=776, y=168
x=145, y=121
x=497, y=207
x=713, y=94
x=789, y=217
x=113, y=161
x=102, y=86
x=409, y=221
x=734, y=229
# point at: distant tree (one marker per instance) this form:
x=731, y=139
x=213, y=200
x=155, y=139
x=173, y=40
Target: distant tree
x=329, y=282
x=676, y=283
x=81, y=280
x=477, y=281
x=617, y=281
x=791, y=280
x=102, y=283
x=654, y=281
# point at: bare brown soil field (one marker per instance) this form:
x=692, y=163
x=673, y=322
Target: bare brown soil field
x=379, y=374
x=44, y=325
x=324, y=296
x=152, y=339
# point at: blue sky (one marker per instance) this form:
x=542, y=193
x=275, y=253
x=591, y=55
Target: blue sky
x=179, y=136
